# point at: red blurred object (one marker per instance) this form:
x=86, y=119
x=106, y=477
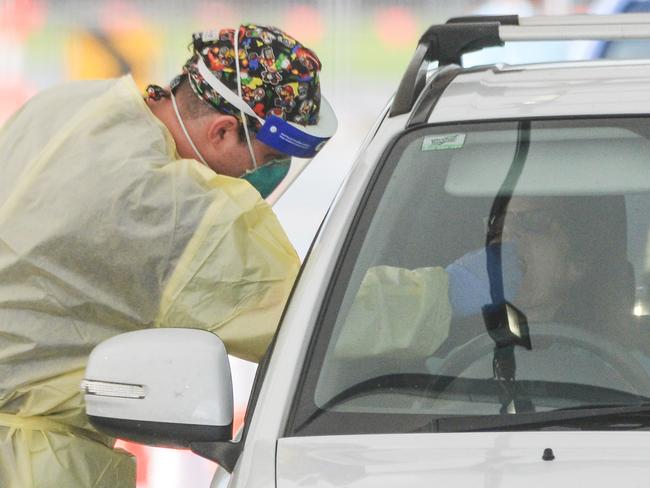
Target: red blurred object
x=396, y=27
x=142, y=452
x=120, y=15
x=304, y=23
x=13, y=94
x=216, y=15
x=21, y=17
x=238, y=419
x=142, y=459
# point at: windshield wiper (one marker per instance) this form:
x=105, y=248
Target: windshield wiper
x=604, y=417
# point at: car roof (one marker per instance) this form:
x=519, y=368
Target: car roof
x=546, y=90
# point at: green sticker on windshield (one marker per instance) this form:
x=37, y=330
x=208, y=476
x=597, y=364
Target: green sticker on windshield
x=442, y=142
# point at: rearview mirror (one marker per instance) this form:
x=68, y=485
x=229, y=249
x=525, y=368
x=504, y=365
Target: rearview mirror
x=161, y=387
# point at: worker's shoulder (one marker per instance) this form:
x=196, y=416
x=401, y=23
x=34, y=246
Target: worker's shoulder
x=59, y=102
x=73, y=91
x=234, y=196
x=235, y=203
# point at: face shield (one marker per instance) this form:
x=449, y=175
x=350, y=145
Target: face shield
x=294, y=140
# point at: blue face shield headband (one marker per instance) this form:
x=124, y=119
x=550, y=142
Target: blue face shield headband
x=286, y=137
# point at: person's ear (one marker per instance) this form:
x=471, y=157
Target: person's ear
x=223, y=131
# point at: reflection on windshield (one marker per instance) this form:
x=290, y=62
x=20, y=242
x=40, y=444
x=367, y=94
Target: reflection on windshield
x=477, y=246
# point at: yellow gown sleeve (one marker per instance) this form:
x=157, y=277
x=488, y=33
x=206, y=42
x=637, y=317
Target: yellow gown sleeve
x=397, y=311
x=235, y=274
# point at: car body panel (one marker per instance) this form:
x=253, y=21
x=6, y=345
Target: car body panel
x=500, y=93
x=465, y=460
x=257, y=461
x=270, y=459
x=549, y=90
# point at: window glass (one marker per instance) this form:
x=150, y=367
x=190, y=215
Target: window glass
x=496, y=269
x=637, y=49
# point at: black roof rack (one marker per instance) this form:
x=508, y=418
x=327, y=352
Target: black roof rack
x=473, y=19
x=446, y=43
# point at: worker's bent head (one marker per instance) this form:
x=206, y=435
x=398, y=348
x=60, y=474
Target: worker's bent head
x=269, y=83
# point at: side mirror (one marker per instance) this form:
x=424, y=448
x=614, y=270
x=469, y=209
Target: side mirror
x=161, y=387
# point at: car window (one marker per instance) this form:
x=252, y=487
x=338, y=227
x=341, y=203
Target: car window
x=495, y=268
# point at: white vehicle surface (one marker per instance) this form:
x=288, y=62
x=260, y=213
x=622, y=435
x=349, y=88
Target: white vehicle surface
x=475, y=309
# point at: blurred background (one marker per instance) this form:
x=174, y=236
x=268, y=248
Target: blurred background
x=364, y=47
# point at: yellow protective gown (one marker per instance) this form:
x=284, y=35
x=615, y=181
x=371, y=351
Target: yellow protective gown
x=103, y=230
x=397, y=312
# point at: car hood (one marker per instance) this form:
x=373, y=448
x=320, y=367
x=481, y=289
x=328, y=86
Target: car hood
x=603, y=459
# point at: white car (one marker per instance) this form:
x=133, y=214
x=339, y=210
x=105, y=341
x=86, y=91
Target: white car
x=475, y=309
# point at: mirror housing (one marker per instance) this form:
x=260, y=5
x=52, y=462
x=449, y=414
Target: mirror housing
x=507, y=325
x=161, y=387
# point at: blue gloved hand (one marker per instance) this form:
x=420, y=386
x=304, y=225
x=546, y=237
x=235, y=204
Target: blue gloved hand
x=469, y=286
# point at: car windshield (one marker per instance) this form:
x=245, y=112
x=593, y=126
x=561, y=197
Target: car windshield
x=495, y=271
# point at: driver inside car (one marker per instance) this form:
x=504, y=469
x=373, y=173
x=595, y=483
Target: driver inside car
x=563, y=259
x=548, y=262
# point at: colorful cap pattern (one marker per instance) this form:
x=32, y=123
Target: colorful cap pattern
x=279, y=76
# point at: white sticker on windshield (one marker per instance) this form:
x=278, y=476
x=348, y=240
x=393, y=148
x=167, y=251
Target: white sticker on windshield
x=442, y=142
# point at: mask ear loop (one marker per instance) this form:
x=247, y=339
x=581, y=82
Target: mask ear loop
x=187, y=135
x=243, y=115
